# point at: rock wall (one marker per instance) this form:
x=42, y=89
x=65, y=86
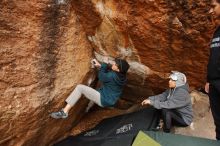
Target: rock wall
x=46, y=47
x=156, y=36
x=44, y=54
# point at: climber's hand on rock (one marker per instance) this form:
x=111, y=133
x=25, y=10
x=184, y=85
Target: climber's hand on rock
x=96, y=63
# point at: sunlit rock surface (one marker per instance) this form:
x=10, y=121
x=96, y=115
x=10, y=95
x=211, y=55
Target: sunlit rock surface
x=44, y=55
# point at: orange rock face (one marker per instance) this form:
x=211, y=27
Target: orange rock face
x=161, y=35
x=46, y=47
x=44, y=55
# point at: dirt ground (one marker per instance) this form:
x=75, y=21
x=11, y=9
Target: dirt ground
x=203, y=127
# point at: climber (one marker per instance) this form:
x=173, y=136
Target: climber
x=174, y=104
x=113, y=78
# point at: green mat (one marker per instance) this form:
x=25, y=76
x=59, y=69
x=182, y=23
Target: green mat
x=151, y=138
x=144, y=140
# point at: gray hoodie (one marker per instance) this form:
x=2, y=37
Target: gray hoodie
x=178, y=99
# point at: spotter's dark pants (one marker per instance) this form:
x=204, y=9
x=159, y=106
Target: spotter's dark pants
x=170, y=118
x=214, y=99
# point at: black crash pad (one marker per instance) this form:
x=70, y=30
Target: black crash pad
x=117, y=131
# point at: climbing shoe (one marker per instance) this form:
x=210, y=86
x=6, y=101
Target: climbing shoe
x=58, y=115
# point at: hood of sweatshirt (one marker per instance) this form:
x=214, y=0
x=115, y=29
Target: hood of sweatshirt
x=185, y=86
x=120, y=78
x=178, y=77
